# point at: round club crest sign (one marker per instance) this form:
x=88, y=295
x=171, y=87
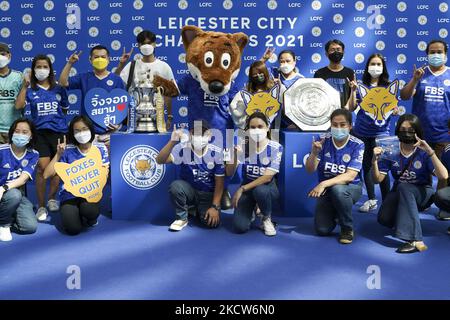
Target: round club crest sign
x=139, y=168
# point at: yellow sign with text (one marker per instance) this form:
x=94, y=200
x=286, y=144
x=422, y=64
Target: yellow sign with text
x=84, y=178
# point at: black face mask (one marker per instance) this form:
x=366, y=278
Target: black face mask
x=407, y=137
x=258, y=80
x=336, y=56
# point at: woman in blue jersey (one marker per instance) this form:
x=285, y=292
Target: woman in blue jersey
x=48, y=104
x=287, y=71
x=202, y=174
x=260, y=158
x=77, y=212
x=18, y=161
x=367, y=129
x=337, y=158
x=412, y=190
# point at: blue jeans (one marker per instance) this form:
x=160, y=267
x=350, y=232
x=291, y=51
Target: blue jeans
x=263, y=196
x=185, y=199
x=336, y=203
x=17, y=212
x=442, y=199
x=385, y=185
x=400, y=210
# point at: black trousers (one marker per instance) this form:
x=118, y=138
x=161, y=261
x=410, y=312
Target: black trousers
x=75, y=213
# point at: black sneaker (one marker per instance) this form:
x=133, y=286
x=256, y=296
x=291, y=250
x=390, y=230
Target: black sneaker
x=448, y=230
x=346, y=236
x=443, y=215
x=411, y=247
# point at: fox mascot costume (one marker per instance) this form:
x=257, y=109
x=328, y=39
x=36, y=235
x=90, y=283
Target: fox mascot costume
x=214, y=62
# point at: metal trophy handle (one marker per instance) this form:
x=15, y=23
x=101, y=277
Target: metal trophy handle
x=159, y=103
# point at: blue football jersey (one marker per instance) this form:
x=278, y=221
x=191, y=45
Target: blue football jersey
x=199, y=171
x=431, y=104
x=334, y=161
x=47, y=108
x=12, y=167
x=255, y=165
x=202, y=106
x=72, y=154
x=417, y=171
x=87, y=81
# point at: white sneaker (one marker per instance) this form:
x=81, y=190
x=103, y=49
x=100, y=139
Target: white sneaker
x=268, y=227
x=5, y=234
x=42, y=214
x=53, y=205
x=368, y=206
x=178, y=225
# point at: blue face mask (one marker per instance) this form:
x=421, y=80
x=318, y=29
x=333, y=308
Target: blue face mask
x=437, y=59
x=339, y=133
x=20, y=140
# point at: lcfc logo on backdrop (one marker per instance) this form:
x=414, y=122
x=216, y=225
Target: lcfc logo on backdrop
x=139, y=168
x=93, y=5
x=183, y=4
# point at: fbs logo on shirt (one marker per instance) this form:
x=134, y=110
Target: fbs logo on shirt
x=7, y=93
x=334, y=168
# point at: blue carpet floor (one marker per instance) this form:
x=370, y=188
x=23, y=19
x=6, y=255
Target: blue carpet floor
x=138, y=260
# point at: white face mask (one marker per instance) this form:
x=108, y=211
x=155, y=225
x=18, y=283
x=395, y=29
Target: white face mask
x=258, y=135
x=287, y=68
x=41, y=74
x=375, y=71
x=147, y=49
x=199, y=142
x=83, y=137
x=4, y=61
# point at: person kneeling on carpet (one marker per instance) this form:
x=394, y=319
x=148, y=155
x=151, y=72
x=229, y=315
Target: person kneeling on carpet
x=77, y=212
x=412, y=190
x=337, y=158
x=260, y=158
x=18, y=162
x=442, y=196
x=202, y=174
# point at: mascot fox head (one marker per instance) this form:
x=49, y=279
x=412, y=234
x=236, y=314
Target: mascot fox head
x=379, y=102
x=265, y=102
x=213, y=58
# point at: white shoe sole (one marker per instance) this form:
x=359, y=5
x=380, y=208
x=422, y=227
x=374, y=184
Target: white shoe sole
x=42, y=218
x=177, y=228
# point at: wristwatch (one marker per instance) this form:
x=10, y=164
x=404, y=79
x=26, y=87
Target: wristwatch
x=214, y=206
x=5, y=187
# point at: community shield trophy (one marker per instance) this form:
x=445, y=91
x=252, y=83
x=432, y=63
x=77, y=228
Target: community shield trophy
x=310, y=102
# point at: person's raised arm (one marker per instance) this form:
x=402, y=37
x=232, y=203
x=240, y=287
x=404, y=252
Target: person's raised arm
x=408, y=90
x=64, y=77
x=50, y=169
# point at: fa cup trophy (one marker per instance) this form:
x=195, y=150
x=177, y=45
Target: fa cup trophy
x=149, y=105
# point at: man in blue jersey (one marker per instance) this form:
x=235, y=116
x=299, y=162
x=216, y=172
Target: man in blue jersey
x=100, y=77
x=202, y=174
x=337, y=157
x=430, y=86
x=11, y=82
